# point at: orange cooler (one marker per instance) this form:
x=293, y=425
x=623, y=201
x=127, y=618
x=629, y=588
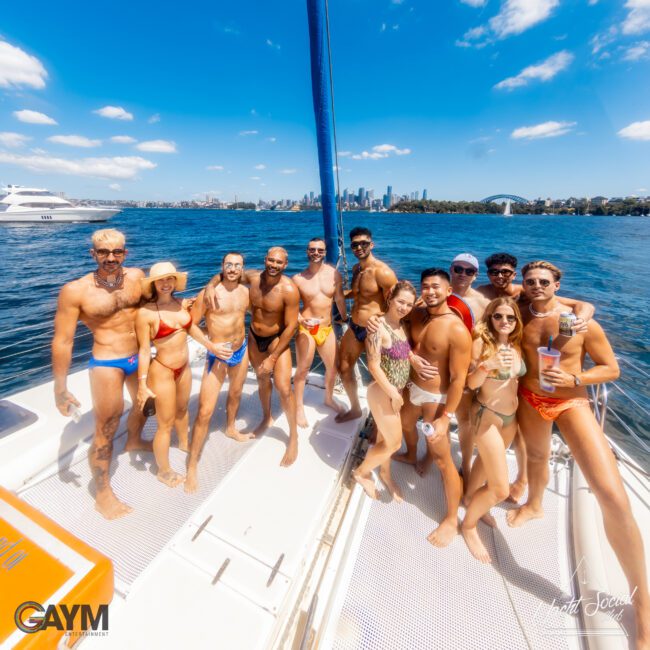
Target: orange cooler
x=44, y=563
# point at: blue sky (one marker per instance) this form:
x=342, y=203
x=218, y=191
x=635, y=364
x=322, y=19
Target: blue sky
x=466, y=99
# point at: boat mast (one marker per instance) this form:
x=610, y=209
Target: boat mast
x=321, y=93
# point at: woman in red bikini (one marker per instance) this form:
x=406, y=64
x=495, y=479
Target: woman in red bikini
x=165, y=321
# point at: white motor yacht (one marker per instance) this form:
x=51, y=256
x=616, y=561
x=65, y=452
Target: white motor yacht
x=28, y=204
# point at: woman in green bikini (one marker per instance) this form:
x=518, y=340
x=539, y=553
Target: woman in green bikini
x=496, y=367
x=387, y=351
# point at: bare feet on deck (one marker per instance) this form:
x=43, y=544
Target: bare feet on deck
x=263, y=426
x=475, y=545
x=422, y=466
x=301, y=419
x=367, y=483
x=409, y=459
x=138, y=445
x=108, y=505
x=517, y=490
x=335, y=406
x=392, y=487
x=290, y=454
x=170, y=478
x=519, y=516
x=191, y=484
x=237, y=435
x=445, y=532
x=348, y=415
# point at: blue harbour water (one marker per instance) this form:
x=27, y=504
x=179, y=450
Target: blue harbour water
x=605, y=261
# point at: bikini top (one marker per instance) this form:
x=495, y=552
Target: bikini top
x=165, y=330
x=521, y=373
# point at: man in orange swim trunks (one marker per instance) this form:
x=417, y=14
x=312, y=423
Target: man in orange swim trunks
x=319, y=285
x=568, y=407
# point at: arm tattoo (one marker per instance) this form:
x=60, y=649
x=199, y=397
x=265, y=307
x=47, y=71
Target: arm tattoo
x=374, y=346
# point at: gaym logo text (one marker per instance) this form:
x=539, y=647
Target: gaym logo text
x=32, y=617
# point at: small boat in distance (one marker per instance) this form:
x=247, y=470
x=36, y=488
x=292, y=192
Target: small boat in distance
x=29, y=204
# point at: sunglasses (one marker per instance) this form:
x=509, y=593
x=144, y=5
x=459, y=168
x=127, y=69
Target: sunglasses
x=360, y=244
x=105, y=252
x=315, y=250
x=542, y=283
x=459, y=270
x=506, y=273
x=233, y=265
x=509, y=317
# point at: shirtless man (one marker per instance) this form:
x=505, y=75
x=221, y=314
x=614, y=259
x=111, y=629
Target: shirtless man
x=275, y=305
x=442, y=340
x=469, y=304
x=319, y=285
x=568, y=407
x=106, y=302
x=226, y=328
x=372, y=279
x=502, y=270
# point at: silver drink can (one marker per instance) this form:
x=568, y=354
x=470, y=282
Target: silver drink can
x=567, y=321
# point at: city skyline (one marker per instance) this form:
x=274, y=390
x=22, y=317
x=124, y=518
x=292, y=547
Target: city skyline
x=467, y=99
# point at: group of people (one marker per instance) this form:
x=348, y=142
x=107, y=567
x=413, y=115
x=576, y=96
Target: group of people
x=449, y=350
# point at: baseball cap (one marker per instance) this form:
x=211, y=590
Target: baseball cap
x=468, y=258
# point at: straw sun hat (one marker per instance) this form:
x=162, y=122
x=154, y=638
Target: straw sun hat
x=159, y=271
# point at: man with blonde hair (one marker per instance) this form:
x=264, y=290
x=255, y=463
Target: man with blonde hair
x=106, y=302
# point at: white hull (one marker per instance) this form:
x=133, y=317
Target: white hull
x=63, y=215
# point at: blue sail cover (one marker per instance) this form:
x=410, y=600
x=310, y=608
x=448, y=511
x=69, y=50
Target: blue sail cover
x=320, y=84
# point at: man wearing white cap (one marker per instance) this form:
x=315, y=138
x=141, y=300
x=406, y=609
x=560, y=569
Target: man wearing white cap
x=469, y=304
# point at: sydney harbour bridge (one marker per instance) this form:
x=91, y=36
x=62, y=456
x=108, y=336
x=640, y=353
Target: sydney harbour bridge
x=509, y=199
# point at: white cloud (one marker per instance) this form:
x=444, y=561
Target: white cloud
x=516, y=16
x=380, y=151
x=116, y=187
x=638, y=18
x=13, y=140
x=544, y=71
x=474, y=3
x=550, y=129
x=215, y=168
x=637, y=51
x=123, y=139
x=75, y=141
x=120, y=167
x=642, y=189
x=154, y=119
x=33, y=117
x=288, y=171
x=343, y=154
x=18, y=69
x=255, y=178
x=636, y=131
x=272, y=139
x=270, y=43
x=157, y=146
x=600, y=41
x=114, y=113
x=260, y=167
x=252, y=132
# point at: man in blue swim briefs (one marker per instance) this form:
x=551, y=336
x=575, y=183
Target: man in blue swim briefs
x=106, y=302
x=226, y=328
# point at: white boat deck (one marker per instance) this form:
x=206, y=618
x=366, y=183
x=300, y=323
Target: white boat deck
x=400, y=592
x=233, y=554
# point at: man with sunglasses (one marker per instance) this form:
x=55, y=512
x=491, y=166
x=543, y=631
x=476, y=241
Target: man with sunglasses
x=320, y=284
x=106, y=302
x=372, y=279
x=226, y=325
x=568, y=407
x=501, y=271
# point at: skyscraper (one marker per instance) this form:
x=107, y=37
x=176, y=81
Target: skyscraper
x=389, y=194
x=362, y=195
x=424, y=195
